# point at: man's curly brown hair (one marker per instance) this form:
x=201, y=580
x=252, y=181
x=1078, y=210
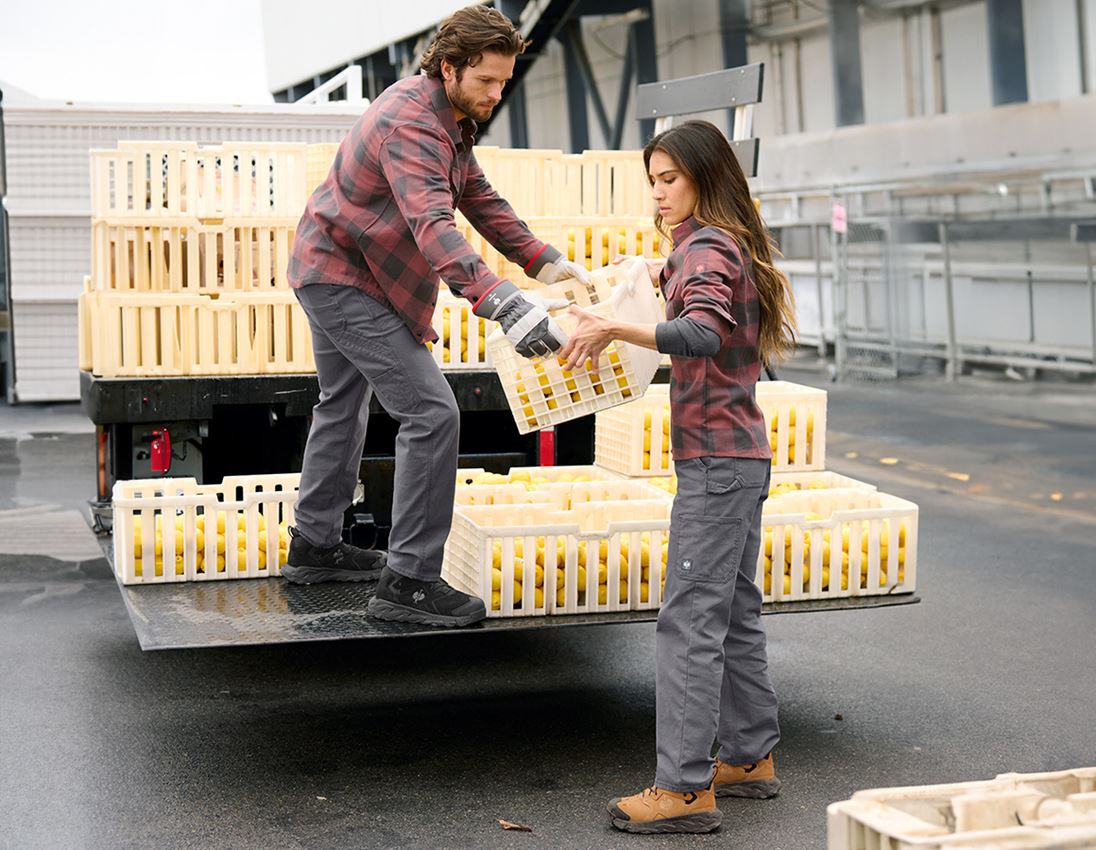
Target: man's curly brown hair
x=466, y=34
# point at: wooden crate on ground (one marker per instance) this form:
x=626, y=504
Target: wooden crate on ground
x=174, y=529
x=541, y=392
x=1015, y=811
x=169, y=179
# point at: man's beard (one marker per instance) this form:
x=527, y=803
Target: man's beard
x=473, y=110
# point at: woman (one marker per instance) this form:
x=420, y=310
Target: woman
x=729, y=311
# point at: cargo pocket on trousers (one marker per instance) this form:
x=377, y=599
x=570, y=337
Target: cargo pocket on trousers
x=708, y=548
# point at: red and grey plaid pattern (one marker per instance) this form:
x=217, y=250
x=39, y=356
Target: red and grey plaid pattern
x=383, y=219
x=713, y=406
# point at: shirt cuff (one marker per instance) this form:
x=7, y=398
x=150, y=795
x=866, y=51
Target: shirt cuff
x=543, y=257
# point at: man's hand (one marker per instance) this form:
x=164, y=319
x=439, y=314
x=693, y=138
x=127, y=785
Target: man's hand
x=561, y=270
x=524, y=320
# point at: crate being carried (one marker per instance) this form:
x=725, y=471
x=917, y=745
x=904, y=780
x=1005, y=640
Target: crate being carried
x=541, y=392
x=167, y=179
x=605, y=552
x=826, y=544
x=1015, y=811
x=175, y=529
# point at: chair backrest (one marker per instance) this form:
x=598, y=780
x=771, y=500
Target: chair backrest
x=734, y=88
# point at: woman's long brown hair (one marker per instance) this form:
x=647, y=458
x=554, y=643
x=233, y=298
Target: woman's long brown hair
x=701, y=152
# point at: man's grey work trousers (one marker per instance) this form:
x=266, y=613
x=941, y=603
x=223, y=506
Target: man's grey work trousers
x=712, y=676
x=362, y=347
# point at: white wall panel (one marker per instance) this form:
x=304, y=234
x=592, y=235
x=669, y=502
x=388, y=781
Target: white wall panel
x=818, y=99
x=882, y=55
x=1052, y=49
x=966, y=58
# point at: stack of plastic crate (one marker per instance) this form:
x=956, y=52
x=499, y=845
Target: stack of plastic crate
x=190, y=246
x=825, y=535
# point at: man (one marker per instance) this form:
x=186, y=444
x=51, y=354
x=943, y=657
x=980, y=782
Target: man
x=370, y=247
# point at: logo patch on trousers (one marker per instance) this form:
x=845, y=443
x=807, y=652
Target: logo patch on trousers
x=686, y=564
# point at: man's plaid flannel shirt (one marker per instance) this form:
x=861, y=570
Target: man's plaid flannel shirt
x=383, y=219
x=713, y=407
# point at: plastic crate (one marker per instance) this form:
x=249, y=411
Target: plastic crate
x=171, y=518
x=634, y=439
x=133, y=335
x=540, y=392
x=1015, y=811
x=186, y=256
x=872, y=535
x=145, y=180
x=462, y=335
x=595, y=242
x=782, y=483
x=523, y=484
x=796, y=419
x=595, y=556
x=318, y=162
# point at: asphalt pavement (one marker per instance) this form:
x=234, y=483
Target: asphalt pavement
x=427, y=742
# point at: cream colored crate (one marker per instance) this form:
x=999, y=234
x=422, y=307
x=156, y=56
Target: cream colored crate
x=170, y=519
x=462, y=335
x=540, y=392
x=871, y=535
x=782, y=482
x=318, y=162
x=595, y=242
x=614, y=183
x=595, y=557
x=634, y=439
x=134, y=335
x=1015, y=811
x=531, y=180
x=169, y=179
x=186, y=256
x=523, y=484
x=795, y=416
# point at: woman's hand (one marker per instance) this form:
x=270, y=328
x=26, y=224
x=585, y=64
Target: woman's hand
x=589, y=338
x=654, y=267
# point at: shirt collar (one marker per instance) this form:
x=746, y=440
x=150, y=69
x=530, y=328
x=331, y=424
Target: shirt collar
x=463, y=132
x=687, y=228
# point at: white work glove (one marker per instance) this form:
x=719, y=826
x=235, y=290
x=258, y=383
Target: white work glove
x=562, y=269
x=524, y=319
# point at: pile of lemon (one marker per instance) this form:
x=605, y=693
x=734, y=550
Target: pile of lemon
x=774, y=433
x=847, y=532
x=580, y=244
x=528, y=478
x=589, y=552
x=449, y=346
x=267, y=560
x=558, y=386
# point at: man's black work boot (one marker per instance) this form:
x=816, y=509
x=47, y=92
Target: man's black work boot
x=308, y=564
x=432, y=603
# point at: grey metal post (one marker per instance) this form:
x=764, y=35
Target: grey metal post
x=848, y=87
x=576, y=98
x=734, y=21
x=1008, y=65
x=1091, y=298
x=952, y=371
x=840, y=343
x=816, y=240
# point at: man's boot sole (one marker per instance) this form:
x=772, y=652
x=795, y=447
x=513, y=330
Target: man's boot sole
x=318, y=575
x=758, y=789
x=696, y=823
x=383, y=609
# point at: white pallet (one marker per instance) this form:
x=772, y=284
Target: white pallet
x=146, y=512
x=624, y=539
x=1034, y=811
x=541, y=393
